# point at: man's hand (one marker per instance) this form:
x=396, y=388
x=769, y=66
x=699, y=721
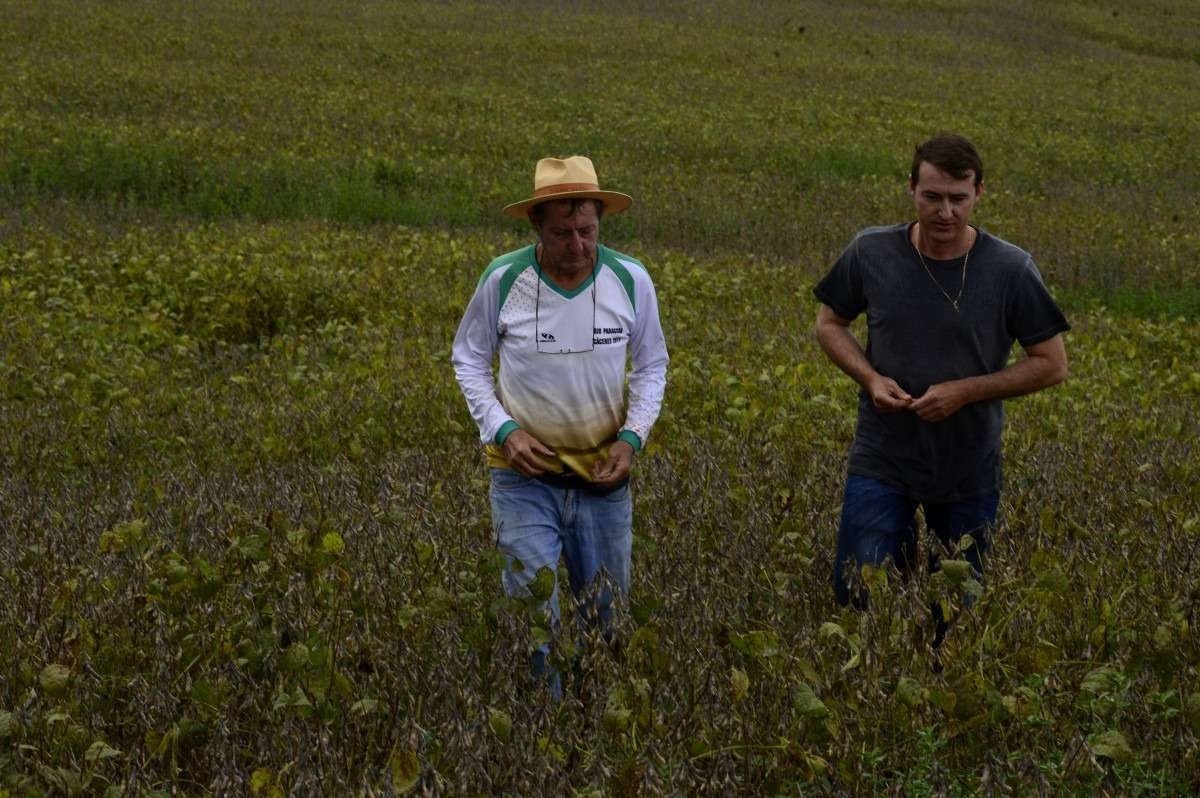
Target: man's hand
x=616, y=467
x=522, y=451
x=940, y=401
x=888, y=396
x=835, y=338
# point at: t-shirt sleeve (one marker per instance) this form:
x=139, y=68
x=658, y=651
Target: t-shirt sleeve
x=1032, y=314
x=842, y=288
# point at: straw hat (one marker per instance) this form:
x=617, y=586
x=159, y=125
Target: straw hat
x=567, y=178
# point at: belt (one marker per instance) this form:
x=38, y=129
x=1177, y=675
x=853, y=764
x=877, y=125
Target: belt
x=569, y=480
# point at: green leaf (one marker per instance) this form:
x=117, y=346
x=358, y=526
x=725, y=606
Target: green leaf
x=190, y=734
x=296, y=658
x=67, y=781
x=541, y=635
x=829, y=629
x=205, y=694
x=943, y=699
x=874, y=578
x=816, y=765
x=1102, y=680
x=1111, y=744
x=1047, y=568
x=332, y=543
x=806, y=703
x=364, y=706
x=910, y=692
x=100, y=750
x=1036, y=657
x=956, y=571
x=739, y=684
x=1054, y=581
x=55, y=679
x=261, y=781
x=253, y=547
x=500, y=723
x=970, y=694
x=405, y=770
x=128, y=535
x=644, y=608
x=9, y=725
x=542, y=585
x=551, y=749
x=616, y=718
x=490, y=562
x=758, y=643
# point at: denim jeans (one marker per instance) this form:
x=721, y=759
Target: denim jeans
x=535, y=524
x=878, y=523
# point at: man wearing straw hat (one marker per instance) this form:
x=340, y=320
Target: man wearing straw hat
x=565, y=314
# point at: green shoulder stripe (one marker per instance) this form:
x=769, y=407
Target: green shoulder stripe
x=510, y=277
x=498, y=263
x=518, y=260
x=613, y=261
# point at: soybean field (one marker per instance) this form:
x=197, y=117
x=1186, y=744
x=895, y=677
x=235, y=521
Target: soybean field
x=244, y=534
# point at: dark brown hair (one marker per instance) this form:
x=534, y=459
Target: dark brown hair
x=537, y=214
x=953, y=154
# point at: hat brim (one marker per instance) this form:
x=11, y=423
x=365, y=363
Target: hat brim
x=614, y=202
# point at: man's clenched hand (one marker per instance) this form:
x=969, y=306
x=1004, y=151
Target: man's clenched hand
x=888, y=396
x=616, y=467
x=940, y=401
x=523, y=453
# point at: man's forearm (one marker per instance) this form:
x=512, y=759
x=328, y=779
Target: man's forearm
x=843, y=349
x=1026, y=376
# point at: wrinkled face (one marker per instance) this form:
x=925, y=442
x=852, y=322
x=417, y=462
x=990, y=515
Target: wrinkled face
x=568, y=238
x=944, y=204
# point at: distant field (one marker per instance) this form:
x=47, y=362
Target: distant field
x=243, y=523
x=770, y=128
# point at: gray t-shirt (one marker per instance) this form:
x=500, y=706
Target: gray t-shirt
x=916, y=337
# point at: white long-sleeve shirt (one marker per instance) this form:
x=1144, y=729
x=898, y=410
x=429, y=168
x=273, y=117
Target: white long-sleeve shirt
x=563, y=357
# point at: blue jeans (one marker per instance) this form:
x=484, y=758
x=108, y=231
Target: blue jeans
x=877, y=524
x=535, y=524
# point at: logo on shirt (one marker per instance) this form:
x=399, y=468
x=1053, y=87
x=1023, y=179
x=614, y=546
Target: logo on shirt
x=547, y=336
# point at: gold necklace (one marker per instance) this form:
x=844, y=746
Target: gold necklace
x=953, y=302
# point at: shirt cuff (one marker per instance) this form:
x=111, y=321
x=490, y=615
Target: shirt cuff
x=505, y=430
x=631, y=437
